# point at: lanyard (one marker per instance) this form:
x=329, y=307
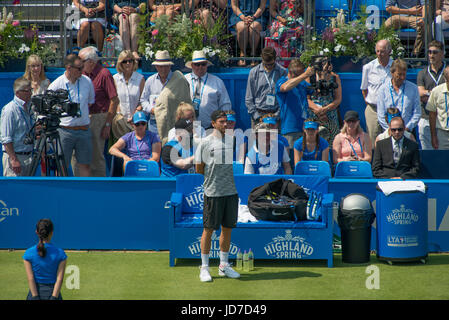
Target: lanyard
x=137, y=145
x=272, y=79
x=28, y=124
x=439, y=76
x=392, y=99
x=447, y=116
x=68, y=91
x=353, y=149
x=202, y=87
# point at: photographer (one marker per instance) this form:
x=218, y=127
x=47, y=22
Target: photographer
x=74, y=132
x=16, y=121
x=325, y=97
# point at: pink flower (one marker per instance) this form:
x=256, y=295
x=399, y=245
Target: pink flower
x=196, y=21
x=155, y=32
x=16, y=23
x=16, y=2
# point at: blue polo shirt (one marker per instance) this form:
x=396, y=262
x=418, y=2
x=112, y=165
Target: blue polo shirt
x=45, y=268
x=311, y=155
x=293, y=106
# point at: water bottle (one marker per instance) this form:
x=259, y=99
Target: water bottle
x=245, y=261
x=251, y=260
x=239, y=261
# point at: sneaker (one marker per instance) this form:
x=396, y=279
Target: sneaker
x=205, y=274
x=226, y=270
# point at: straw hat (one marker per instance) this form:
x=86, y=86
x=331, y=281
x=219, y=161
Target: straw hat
x=162, y=59
x=198, y=57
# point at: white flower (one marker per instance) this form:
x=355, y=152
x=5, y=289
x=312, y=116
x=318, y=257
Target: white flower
x=326, y=50
x=321, y=53
x=338, y=48
x=313, y=38
x=9, y=18
x=24, y=48
x=2, y=26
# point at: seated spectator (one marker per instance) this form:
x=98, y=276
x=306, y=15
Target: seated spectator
x=324, y=104
x=247, y=21
x=44, y=265
x=35, y=72
x=273, y=123
x=352, y=143
x=392, y=113
x=127, y=14
x=163, y=7
x=311, y=146
x=129, y=84
x=291, y=95
x=186, y=111
x=140, y=144
x=92, y=20
x=407, y=14
x=177, y=154
x=267, y=155
x=209, y=11
x=396, y=157
x=240, y=143
x=441, y=19
x=288, y=25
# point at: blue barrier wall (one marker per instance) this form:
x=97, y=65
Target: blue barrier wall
x=125, y=213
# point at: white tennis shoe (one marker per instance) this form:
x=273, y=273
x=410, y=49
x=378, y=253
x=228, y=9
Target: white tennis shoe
x=205, y=274
x=227, y=271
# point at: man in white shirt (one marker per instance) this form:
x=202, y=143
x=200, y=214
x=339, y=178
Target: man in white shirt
x=438, y=114
x=74, y=132
x=373, y=76
x=208, y=92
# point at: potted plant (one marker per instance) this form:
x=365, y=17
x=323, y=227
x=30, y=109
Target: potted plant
x=350, y=44
x=181, y=36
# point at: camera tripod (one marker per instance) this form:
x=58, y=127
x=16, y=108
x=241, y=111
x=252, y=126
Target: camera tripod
x=49, y=147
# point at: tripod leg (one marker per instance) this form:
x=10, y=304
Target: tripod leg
x=59, y=157
x=37, y=155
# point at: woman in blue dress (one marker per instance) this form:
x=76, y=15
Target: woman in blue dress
x=311, y=146
x=44, y=265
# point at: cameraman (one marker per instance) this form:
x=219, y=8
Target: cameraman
x=325, y=98
x=74, y=132
x=16, y=121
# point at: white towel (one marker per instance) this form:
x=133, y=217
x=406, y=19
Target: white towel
x=244, y=215
x=388, y=187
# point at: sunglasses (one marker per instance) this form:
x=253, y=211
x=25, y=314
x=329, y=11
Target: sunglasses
x=141, y=123
x=397, y=129
x=200, y=64
x=128, y=61
x=433, y=51
x=25, y=90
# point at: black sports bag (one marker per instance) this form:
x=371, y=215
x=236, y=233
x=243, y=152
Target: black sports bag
x=278, y=200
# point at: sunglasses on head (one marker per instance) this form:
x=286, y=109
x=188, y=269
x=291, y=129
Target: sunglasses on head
x=141, y=123
x=200, y=64
x=397, y=129
x=128, y=61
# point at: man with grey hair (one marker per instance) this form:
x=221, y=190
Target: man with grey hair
x=16, y=121
x=374, y=75
x=103, y=111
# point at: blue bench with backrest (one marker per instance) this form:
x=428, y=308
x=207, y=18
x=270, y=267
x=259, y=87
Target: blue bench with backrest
x=267, y=239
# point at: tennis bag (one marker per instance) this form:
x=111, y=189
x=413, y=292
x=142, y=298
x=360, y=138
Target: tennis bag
x=278, y=200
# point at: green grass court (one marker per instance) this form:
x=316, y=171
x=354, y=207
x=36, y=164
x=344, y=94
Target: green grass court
x=105, y=275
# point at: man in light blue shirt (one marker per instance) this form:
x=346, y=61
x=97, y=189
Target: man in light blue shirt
x=16, y=121
x=399, y=93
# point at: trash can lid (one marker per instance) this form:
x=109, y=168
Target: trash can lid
x=356, y=201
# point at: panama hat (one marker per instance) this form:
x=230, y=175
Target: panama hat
x=198, y=56
x=162, y=59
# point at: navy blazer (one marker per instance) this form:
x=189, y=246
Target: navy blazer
x=384, y=166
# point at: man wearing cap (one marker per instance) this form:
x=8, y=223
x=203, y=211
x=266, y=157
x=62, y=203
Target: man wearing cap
x=213, y=159
x=177, y=155
x=396, y=157
x=374, y=74
x=260, y=95
x=139, y=144
x=74, y=132
x=102, y=112
x=267, y=155
x=208, y=92
x=162, y=94
x=292, y=98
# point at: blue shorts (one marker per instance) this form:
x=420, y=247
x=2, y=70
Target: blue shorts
x=44, y=291
x=79, y=141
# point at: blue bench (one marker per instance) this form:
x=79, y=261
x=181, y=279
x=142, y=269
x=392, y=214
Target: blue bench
x=267, y=239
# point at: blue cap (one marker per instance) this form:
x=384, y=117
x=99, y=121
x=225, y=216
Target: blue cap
x=230, y=117
x=311, y=125
x=394, y=115
x=139, y=116
x=269, y=120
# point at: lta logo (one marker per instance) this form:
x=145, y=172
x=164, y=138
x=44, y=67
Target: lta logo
x=7, y=212
x=288, y=247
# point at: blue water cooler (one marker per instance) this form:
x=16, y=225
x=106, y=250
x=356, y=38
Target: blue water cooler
x=401, y=226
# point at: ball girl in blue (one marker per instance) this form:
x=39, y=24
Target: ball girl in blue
x=44, y=265
x=311, y=146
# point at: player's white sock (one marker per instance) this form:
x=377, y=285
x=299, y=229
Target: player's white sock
x=224, y=257
x=205, y=259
